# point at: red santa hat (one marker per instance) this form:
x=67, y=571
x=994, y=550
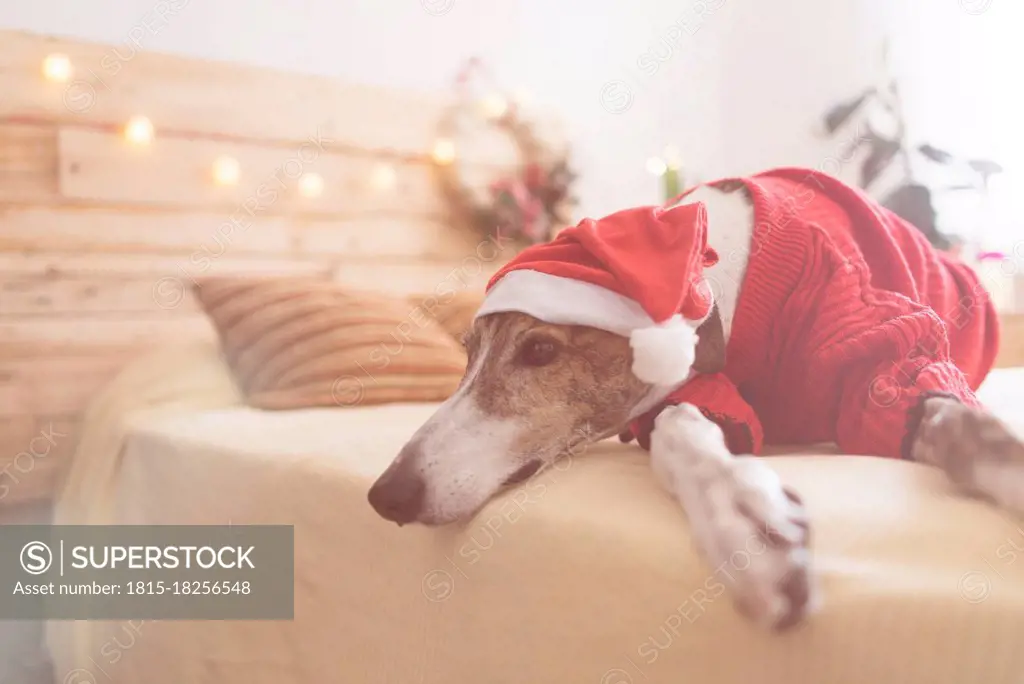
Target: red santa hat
x=636, y=273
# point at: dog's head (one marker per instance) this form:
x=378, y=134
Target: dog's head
x=532, y=391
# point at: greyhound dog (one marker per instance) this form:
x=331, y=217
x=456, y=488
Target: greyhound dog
x=893, y=376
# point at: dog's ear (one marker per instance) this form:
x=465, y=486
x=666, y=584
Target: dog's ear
x=710, y=351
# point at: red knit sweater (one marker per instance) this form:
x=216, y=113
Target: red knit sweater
x=845, y=319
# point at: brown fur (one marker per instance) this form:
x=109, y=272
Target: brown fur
x=586, y=392
x=710, y=352
x=955, y=438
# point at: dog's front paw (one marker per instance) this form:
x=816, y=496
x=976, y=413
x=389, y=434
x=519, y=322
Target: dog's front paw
x=749, y=526
x=763, y=536
x=683, y=430
x=977, y=450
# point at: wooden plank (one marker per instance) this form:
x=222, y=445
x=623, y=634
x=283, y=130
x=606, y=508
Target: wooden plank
x=155, y=266
x=42, y=295
x=423, y=278
x=142, y=283
x=35, y=296
x=119, y=229
x=15, y=431
x=383, y=238
x=28, y=162
x=38, y=512
x=186, y=94
x=34, y=453
x=100, y=166
x=169, y=319
x=114, y=83
x=102, y=229
x=81, y=349
x=49, y=334
x=54, y=384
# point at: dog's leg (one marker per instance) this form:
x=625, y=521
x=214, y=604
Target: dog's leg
x=975, y=449
x=737, y=507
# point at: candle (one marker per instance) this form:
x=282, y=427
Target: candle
x=672, y=178
x=671, y=183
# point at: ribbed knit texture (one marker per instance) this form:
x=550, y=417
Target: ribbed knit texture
x=720, y=401
x=846, y=317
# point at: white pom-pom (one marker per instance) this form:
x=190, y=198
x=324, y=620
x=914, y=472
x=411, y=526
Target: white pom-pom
x=663, y=354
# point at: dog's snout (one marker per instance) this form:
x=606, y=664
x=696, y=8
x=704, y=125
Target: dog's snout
x=398, y=494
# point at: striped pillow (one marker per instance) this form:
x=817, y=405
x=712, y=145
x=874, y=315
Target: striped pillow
x=296, y=343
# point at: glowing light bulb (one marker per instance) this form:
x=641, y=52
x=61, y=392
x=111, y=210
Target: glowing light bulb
x=139, y=130
x=494, y=106
x=383, y=177
x=657, y=166
x=311, y=185
x=523, y=98
x=57, y=68
x=444, y=151
x=226, y=171
x=671, y=155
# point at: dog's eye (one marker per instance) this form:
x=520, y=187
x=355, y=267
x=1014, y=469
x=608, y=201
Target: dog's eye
x=540, y=351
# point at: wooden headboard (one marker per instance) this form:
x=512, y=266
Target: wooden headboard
x=100, y=239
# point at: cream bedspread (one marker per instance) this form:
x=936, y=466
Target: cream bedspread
x=584, y=575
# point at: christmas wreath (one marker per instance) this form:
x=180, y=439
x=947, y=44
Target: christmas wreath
x=528, y=204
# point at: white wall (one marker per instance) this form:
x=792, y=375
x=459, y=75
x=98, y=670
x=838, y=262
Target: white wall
x=960, y=64
x=736, y=85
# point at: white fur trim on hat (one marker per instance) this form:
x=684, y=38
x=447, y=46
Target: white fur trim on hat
x=564, y=301
x=662, y=354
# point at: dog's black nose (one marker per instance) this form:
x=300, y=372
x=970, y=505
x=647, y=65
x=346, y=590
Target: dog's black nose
x=398, y=494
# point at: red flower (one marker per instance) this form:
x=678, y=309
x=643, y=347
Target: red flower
x=535, y=176
x=528, y=207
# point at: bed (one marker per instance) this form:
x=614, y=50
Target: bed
x=585, y=574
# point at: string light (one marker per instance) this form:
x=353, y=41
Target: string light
x=139, y=130
x=523, y=98
x=383, y=177
x=494, y=106
x=226, y=171
x=444, y=151
x=311, y=184
x=671, y=156
x=57, y=68
x=657, y=166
